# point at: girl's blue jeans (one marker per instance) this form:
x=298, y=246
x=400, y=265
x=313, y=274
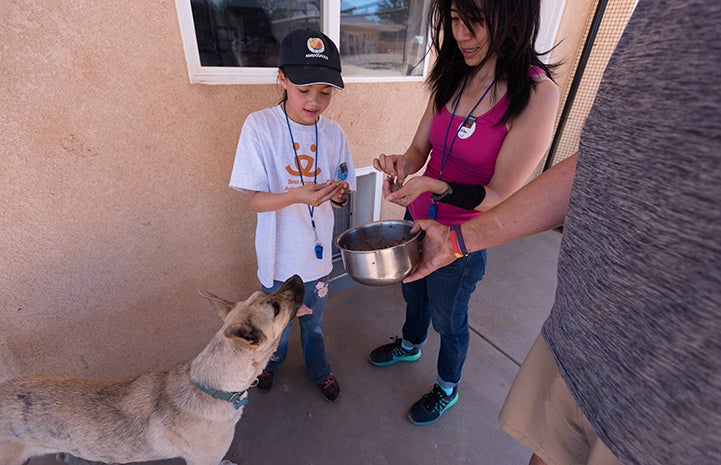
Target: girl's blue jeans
x=311, y=333
x=442, y=298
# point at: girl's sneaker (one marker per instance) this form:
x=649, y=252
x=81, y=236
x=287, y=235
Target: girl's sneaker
x=388, y=354
x=265, y=381
x=432, y=405
x=330, y=389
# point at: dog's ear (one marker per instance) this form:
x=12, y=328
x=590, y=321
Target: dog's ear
x=222, y=307
x=247, y=332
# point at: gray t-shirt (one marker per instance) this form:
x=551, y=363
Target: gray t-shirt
x=636, y=325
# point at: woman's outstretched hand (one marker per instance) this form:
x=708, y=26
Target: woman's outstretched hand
x=436, y=251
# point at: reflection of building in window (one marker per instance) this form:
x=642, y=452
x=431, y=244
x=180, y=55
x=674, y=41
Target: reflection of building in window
x=377, y=37
x=383, y=35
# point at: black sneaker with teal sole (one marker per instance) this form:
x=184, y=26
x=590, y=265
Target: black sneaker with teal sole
x=432, y=405
x=388, y=354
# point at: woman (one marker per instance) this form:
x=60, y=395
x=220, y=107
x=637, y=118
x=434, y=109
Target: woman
x=487, y=125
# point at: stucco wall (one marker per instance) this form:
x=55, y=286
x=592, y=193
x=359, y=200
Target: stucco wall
x=115, y=208
x=114, y=205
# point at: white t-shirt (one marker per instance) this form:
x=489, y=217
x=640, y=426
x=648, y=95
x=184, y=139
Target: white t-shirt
x=265, y=162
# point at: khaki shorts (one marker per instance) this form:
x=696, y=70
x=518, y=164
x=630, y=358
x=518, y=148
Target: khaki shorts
x=540, y=413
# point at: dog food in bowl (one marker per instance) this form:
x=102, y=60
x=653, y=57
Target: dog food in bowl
x=379, y=253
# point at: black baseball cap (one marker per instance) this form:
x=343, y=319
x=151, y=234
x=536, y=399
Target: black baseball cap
x=310, y=57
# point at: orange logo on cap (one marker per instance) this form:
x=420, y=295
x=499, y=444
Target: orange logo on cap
x=316, y=45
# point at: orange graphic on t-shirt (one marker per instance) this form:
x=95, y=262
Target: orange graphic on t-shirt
x=306, y=162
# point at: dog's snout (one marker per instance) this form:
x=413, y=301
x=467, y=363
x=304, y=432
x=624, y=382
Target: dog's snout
x=295, y=286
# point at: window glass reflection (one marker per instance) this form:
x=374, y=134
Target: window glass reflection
x=377, y=37
x=247, y=33
x=382, y=37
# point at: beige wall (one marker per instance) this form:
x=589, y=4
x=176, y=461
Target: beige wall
x=114, y=205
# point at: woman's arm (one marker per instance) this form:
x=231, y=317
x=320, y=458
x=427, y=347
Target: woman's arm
x=528, y=138
x=415, y=156
x=539, y=206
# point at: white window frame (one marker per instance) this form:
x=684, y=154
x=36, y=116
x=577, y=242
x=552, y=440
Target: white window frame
x=551, y=14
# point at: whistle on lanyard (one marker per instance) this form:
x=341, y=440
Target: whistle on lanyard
x=432, y=211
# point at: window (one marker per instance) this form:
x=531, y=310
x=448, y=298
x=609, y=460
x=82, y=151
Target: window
x=237, y=41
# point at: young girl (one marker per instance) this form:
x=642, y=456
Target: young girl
x=487, y=125
x=295, y=165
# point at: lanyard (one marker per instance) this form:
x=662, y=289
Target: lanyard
x=318, y=245
x=446, y=154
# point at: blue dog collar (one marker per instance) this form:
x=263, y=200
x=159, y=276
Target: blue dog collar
x=236, y=398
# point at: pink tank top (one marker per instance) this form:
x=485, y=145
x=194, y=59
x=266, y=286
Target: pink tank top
x=472, y=161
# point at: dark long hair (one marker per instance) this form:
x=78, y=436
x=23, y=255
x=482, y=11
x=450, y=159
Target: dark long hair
x=512, y=31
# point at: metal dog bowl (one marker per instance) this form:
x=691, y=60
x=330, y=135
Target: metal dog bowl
x=379, y=253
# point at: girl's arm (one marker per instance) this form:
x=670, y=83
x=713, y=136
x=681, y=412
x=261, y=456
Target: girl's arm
x=310, y=194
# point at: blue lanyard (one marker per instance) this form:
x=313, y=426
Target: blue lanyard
x=445, y=155
x=318, y=245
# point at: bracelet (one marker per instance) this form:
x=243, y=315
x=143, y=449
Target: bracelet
x=340, y=204
x=457, y=243
x=443, y=195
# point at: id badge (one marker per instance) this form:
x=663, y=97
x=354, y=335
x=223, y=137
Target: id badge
x=341, y=173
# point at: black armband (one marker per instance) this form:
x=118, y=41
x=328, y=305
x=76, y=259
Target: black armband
x=466, y=196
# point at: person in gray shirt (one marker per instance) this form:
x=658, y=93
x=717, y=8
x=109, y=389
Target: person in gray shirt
x=628, y=364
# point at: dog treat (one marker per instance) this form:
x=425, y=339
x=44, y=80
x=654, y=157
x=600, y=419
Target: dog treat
x=394, y=184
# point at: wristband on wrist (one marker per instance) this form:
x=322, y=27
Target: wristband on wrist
x=457, y=243
x=442, y=195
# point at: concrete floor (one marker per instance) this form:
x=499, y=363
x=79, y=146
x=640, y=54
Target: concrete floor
x=293, y=425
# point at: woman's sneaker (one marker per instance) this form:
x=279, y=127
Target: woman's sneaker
x=265, y=381
x=330, y=389
x=432, y=405
x=388, y=354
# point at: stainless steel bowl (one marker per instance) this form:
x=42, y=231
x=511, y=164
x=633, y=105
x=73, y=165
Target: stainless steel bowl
x=379, y=253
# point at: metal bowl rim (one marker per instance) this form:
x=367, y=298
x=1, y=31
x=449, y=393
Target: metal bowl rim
x=364, y=225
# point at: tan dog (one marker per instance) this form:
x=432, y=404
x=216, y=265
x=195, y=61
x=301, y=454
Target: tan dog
x=189, y=411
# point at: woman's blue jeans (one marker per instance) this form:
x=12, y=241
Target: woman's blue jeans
x=311, y=332
x=442, y=298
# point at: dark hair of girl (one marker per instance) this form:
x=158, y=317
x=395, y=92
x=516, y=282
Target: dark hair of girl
x=284, y=97
x=512, y=31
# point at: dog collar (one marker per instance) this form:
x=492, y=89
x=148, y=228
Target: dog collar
x=235, y=398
